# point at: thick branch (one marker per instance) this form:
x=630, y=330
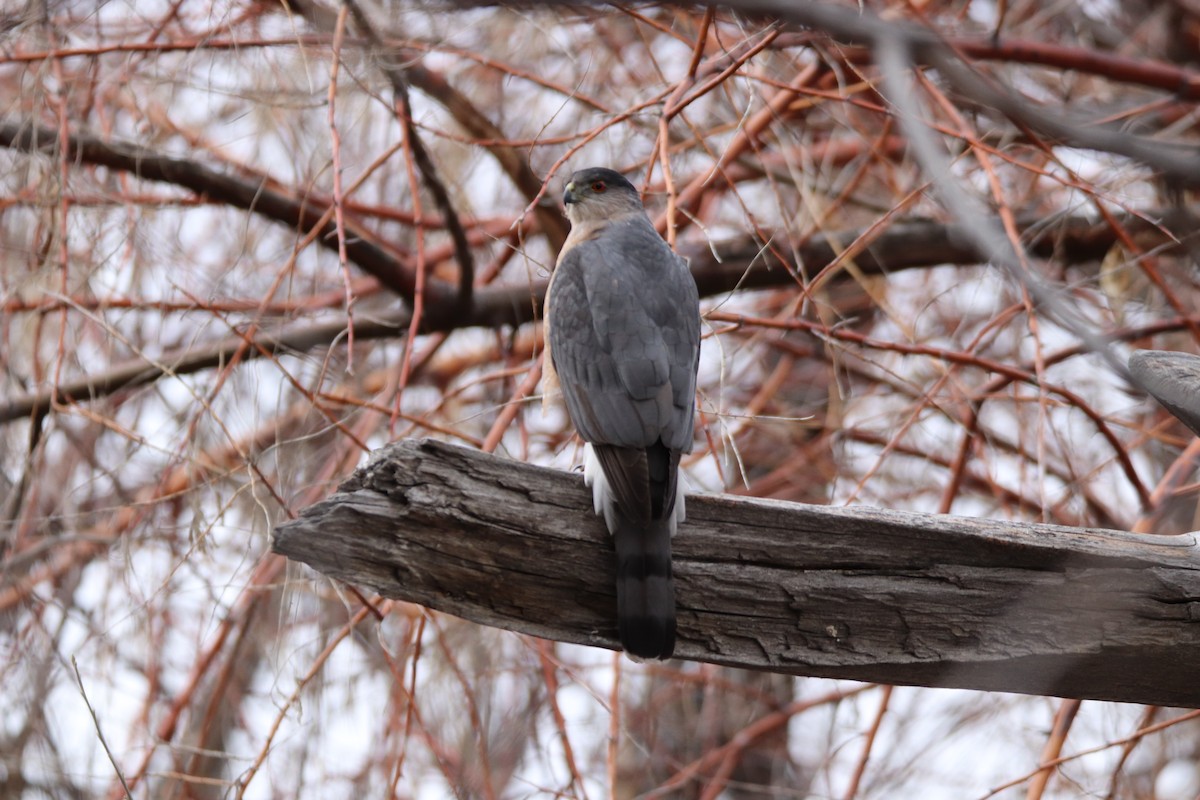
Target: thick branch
x=857, y=593
x=251, y=195
x=739, y=264
x=492, y=139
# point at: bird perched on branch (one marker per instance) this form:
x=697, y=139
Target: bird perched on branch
x=622, y=323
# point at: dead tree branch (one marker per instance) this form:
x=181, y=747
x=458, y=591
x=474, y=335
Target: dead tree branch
x=858, y=593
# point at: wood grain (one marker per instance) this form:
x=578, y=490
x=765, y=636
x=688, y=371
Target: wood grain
x=861, y=593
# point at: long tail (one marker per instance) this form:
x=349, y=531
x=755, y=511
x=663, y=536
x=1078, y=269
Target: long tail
x=636, y=491
x=645, y=589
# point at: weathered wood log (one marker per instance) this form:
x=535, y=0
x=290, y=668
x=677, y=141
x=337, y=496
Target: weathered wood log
x=861, y=593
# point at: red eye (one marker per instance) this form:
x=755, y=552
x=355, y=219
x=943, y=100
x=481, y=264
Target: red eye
x=598, y=187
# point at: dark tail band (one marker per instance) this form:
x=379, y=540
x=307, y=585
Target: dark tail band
x=645, y=590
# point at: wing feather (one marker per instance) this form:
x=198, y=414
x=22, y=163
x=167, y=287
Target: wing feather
x=624, y=338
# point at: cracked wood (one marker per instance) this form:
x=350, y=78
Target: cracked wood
x=860, y=593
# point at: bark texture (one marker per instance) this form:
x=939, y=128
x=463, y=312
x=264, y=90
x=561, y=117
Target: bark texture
x=861, y=593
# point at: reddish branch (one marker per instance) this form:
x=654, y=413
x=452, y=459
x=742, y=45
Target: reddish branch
x=396, y=75
x=853, y=26
x=1179, y=81
x=476, y=124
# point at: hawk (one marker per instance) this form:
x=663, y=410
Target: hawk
x=622, y=323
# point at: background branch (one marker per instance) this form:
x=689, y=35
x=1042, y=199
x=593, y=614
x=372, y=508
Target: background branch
x=258, y=196
x=743, y=264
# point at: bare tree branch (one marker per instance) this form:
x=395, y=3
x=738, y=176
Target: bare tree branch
x=1178, y=80
x=1177, y=162
x=742, y=264
x=858, y=593
x=404, y=68
x=860, y=348
x=424, y=162
x=256, y=196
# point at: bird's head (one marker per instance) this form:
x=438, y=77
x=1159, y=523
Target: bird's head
x=598, y=193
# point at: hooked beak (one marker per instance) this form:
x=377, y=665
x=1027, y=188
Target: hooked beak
x=569, y=196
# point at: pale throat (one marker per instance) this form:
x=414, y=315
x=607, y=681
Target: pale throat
x=587, y=224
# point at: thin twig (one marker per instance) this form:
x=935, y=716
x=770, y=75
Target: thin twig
x=99, y=733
